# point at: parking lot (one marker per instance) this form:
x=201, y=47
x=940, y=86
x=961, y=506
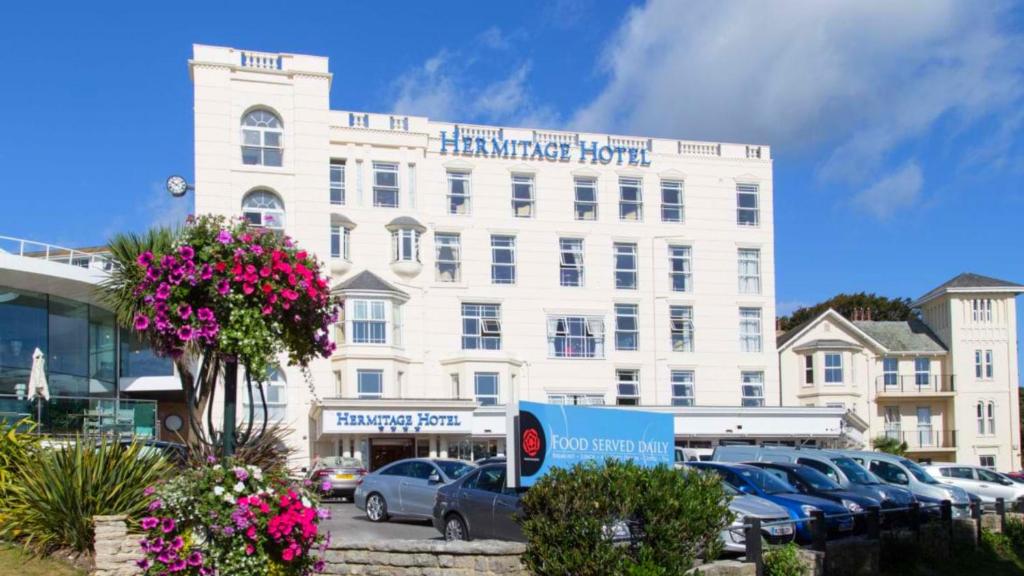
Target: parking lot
x=349, y=523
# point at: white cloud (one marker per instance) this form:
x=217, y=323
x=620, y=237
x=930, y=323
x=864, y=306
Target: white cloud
x=850, y=81
x=895, y=191
x=444, y=88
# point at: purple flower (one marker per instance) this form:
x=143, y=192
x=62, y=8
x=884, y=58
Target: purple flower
x=326, y=486
x=318, y=566
x=207, y=272
x=167, y=261
x=167, y=525
x=211, y=459
x=141, y=323
x=224, y=237
x=149, y=491
x=241, y=474
x=177, y=544
x=195, y=559
x=149, y=522
x=145, y=258
x=186, y=252
x=184, y=311
x=156, y=505
x=163, y=291
x=229, y=530
x=177, y=566
x=143, y=564
x=223, y=287
x=323, y=513
x=156, y=546
x=205, y=314
x=185, y=333
x=256, y=249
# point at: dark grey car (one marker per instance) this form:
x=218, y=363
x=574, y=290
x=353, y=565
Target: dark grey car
x=406, y=488
x=479, y=505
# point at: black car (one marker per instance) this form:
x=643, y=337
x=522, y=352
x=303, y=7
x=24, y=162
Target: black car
x=479, y=505
x=809, y=481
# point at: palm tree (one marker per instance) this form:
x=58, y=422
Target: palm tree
x=118, y=293
x=889, y=445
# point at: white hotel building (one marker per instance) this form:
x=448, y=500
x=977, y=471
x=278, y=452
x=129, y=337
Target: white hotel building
x=481, y=264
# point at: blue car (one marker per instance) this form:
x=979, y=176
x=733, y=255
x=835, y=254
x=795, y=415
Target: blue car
x=756, y=482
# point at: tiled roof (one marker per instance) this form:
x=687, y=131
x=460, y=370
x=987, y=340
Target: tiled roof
x=367, y=281
x=405, y=222
x=971, y=280
x=902, y=336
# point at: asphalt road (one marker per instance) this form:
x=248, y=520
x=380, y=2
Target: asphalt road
x=349, y=523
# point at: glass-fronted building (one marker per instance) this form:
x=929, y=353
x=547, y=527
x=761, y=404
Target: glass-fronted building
x=48, y=302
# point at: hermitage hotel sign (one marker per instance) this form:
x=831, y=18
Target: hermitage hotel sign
x=589, y=150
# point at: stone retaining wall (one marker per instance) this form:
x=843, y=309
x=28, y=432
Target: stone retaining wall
x=116, y=549
x=425, y=558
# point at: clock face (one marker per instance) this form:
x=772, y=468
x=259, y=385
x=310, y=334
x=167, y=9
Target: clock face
x=173, y=422
x=177, y=186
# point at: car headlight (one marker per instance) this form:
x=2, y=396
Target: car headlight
x=852, y=506
x=807, y=509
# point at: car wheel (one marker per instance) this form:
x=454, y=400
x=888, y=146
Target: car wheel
x=376, y=508
x=455, y=529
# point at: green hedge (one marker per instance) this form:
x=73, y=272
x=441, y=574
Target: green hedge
x=566, y=515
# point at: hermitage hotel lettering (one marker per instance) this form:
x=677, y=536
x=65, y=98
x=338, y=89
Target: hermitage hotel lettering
x=528, y=149
x=421, y=419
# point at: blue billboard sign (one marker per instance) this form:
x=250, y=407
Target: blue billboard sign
x=551, y=435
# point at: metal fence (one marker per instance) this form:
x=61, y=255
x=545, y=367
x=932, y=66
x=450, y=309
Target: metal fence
x=875, y=521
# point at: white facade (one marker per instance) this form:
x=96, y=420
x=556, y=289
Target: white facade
x=946, y=385
x=389, y=200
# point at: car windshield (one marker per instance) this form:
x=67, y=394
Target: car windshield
x=855, y=472
x=816, y=479
x=764, y=481
x=917, y=471
x=453, y=468
x=729, y=490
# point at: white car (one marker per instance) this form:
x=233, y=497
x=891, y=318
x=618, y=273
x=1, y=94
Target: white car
x=982, y=482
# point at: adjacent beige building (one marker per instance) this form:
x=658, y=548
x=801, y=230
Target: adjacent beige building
x=946, y=384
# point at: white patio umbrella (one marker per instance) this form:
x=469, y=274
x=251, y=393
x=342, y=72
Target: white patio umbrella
x=38, y=389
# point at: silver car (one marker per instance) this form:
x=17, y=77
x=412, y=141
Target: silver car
x=778, y=530
x=407, y=488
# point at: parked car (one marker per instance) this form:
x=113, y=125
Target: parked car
x=176, y=453
x=499, y=459
x=839, y=468
x=986, y=484
x=910, y=475
x=776, y=527
x=754, y=481
x=342, y=473
x=809, y=481
x=406, y=487
x=478, y=505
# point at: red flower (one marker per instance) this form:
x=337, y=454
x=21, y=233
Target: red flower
x=267, y=288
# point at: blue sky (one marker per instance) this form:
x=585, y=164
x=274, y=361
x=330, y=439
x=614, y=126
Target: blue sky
x=895, y=127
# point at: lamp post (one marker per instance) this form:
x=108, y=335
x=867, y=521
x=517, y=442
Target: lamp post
x=177, y=186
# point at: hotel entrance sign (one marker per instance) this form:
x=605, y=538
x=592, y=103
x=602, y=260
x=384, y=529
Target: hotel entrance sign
x=397, y=422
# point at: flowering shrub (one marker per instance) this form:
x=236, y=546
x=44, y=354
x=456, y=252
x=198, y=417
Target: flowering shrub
x=235, y=291
x=225, y=518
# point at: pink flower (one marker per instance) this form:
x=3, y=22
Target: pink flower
x=185, y=333
x=167, y=525
x=195, y=559
x=249, y=549
x=184, y=311
x=149, y=491
x=224, y=237
x=145, y=258
x=247, y=289
x=186, y=252
x=204, y=314
x=141, y=323
x=223, y=287
x=149, y=522
x=267, y=310
x=163, y=291
x=289, y=294
x=287, y=554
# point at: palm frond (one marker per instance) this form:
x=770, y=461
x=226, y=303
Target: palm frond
x=117, y=291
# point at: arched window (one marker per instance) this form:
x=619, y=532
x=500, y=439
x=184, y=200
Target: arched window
x=261, y=139
x=263, y=208
x=275, y=390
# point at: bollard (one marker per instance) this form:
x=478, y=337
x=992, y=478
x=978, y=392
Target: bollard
x=915, y=520
x=947, y=519
x=1001, y=512
x=755, y=553
x=874, y=523
x=976, y=516
x=819, y=533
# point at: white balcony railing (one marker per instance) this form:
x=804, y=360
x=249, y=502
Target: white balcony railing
x=60, y=254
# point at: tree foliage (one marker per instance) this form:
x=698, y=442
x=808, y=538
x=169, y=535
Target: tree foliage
x=880, y=308
x=889, y=445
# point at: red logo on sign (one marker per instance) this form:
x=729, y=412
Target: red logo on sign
x=531, y=442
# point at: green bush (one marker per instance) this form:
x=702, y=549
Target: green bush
x=675, y=516
x=1014, y=531
x=784, y=561
x=54, y=495
x=18, y=444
